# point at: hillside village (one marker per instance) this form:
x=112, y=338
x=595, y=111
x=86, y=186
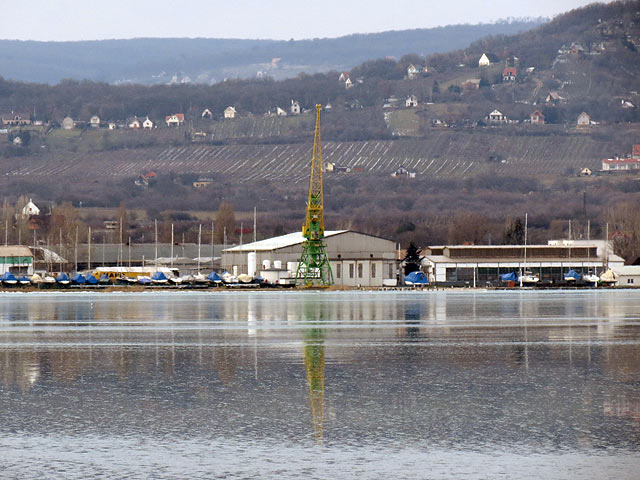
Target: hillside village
x=516, y=120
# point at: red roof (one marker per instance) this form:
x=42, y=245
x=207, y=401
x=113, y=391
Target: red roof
x=621, y=160
x=510, y=71
x=179, y=116
x=636, y=150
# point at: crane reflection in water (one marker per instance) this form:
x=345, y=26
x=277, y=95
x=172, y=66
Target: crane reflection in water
x=313, y=358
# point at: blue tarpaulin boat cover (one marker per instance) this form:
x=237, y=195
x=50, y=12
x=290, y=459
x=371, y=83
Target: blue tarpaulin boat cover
x=8, y=277
x=144, y=280
x=91, y=280
x=62, y=277
x=509, y=277
x=416, y=278
x=573, y=274
x=159, y=277
x=104, y=278
x=214, y=277
x=79, y=279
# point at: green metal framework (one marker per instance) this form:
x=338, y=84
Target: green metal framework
x=314, y=267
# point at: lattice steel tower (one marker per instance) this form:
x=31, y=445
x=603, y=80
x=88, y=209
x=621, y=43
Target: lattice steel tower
x=314, y=268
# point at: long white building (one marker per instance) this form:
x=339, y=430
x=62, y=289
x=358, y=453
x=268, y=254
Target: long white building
x=355, y=258
x=481, y=265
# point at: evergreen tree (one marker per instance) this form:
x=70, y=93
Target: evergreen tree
x=514, y=232
x=412, y=259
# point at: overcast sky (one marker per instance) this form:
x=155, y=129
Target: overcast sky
x=276, y=19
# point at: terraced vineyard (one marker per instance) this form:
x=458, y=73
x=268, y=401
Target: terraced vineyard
x=441, y=154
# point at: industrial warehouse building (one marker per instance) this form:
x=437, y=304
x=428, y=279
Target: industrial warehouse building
x=355, y=258
x=482, y=265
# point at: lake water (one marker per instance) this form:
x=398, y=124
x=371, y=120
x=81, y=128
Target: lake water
x=442, y=385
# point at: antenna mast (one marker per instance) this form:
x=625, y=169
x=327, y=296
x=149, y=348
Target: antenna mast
x=314, y=267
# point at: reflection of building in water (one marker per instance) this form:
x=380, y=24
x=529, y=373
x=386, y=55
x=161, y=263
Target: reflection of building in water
x=313, y=356
x=21, y=369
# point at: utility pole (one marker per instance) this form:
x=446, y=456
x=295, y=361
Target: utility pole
x=255, y=232
x=89, y=249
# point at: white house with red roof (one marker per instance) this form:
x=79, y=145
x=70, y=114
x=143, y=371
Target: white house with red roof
x=509, y=74
x=174, y=120
x=620, y=163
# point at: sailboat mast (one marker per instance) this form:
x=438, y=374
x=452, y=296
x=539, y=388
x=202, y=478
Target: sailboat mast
x=199, y=242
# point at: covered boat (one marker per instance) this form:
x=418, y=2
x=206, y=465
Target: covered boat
x=143, y=280
x=609, y=277
x=104, y=279
x=200, y=278
x=23, y=280
x=509, y=277
x=244, y=278
x=214, y=277
x=528, y=278
x=91, y=280
x=159, y=278
x=78, y=279
x=572, y=276
x=8, y=278
x=63, y=279
x=416, y=278
x=36, y=279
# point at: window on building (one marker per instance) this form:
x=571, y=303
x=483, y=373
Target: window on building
x=359, y=270
x=351, y=270
x=629, y=280
x=338, y=270
x=373, y=270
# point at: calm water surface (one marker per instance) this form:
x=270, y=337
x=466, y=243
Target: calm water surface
x=461, y=385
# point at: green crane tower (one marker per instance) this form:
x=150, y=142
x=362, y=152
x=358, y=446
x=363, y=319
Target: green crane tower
x=314, y=268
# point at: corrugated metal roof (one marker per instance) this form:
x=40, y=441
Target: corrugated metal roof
x=275, y=243
x=15, y=251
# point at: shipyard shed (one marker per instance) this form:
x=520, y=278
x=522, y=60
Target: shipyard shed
x=482, y=265
x=356, y=258
x=16, y=259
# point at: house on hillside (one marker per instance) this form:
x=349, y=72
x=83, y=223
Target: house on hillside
x=576, y=49
x=147, y=124
x=145, y=179
x=94, y=121
x=112, y=125
x=134, y=123
x=295, y=107
x=402, y=171
x=509, y=74
x=537, y=118
x=346, y=80
x=620, y=163
x=68, y=123
x=553, y=98
x=30, y=209
x=636, y=152
x=584, y=120
x=488, y=59
x=230, y=112
x=206, y=114
x=174, y=120
x=497, y=117
x=414, y=71
x=411, y=101
x=15, y=120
